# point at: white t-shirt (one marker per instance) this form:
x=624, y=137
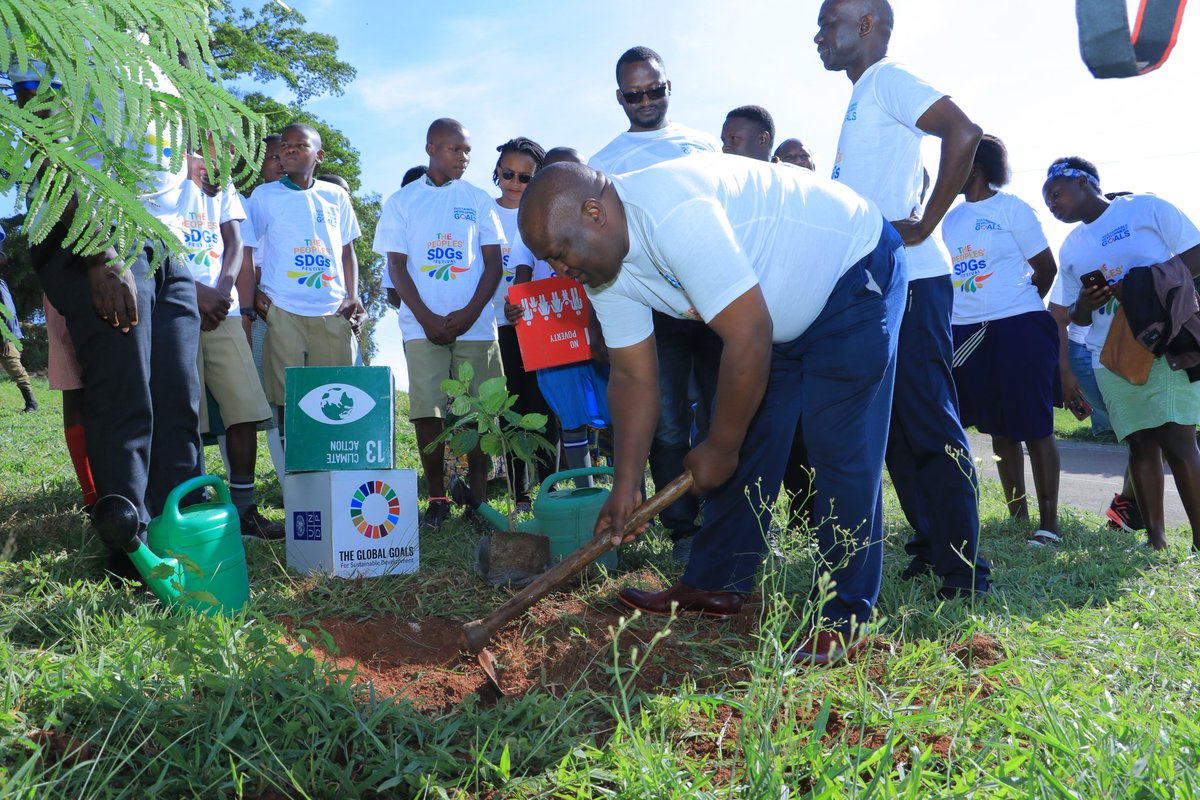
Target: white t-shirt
x=201, y=218
x=879, y=152
x=508, y=268
x=1134, y=231
x=441, y=230
x=300, y=234
x=990, y=244
x=704, y=230
x=637, y=150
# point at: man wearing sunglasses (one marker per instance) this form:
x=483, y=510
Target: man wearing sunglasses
x=686, y=348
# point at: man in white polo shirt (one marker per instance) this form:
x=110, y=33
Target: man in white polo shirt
x=804, y=283
x=685, y=349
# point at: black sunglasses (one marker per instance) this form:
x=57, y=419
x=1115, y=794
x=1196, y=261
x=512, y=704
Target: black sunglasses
x=508, y=175
x=657, y=93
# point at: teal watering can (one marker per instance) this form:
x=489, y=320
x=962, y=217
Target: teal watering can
x=192, y=557
x=565, y=516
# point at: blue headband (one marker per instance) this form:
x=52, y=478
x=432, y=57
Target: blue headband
x=1061, y=169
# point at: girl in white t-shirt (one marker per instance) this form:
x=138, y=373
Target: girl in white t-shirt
x=1005, y=341
x=1156, y=419
x=519, y=159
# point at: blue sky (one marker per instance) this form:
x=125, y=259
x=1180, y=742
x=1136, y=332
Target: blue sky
x=545, y=70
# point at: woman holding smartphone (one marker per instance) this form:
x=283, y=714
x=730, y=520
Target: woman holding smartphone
x=1005, y=341
x=1156, y=419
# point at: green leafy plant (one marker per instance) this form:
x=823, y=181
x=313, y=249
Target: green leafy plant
x=487, y=420
x=116, y=86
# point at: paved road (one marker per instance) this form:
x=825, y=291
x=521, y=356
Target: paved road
x=1091, y=473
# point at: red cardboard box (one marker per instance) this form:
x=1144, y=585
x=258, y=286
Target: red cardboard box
x=554, y=327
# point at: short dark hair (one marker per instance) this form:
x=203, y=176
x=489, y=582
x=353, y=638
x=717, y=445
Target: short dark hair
x=636, y=55
x=522, y=145
x=272, y=138
x=992, y=157
x=336, y=180
x=413, y=173
x=756, y=114
x=312, y=132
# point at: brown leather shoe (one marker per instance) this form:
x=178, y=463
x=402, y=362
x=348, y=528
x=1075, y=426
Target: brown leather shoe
x=826, y=648
x=688, y=599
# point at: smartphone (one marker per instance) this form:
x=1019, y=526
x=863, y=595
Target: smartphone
x=1081, y=408
x=1094, y=279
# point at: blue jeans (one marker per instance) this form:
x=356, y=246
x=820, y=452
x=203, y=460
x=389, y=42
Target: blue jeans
x=686, y=349
x=937, y=490
x=1081, y=366
x=835, y=380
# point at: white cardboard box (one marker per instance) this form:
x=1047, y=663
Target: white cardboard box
x=354, y=523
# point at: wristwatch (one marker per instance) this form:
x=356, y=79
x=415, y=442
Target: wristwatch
x=250, y=313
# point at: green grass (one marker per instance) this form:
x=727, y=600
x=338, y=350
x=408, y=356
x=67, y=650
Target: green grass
x=1082, y=682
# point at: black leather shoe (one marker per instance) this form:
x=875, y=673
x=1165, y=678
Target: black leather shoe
x=687, y=598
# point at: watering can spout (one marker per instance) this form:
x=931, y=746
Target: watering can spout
x=115, y=519
x=462, y=495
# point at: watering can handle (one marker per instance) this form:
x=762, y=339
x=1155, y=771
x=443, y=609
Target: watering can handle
x=572, y=473
x=171, y=507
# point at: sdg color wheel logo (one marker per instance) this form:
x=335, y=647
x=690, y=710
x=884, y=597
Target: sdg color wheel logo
x=374, y=509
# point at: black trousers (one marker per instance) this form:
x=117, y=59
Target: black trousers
x=140, y=388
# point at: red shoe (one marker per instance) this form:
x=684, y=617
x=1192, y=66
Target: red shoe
x=686, y=599
x=1124, y=514
x=826, y=648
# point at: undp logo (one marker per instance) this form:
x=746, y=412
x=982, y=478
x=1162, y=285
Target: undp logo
x=336, y=404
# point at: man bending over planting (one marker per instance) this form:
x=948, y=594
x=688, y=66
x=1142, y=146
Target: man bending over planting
x=804, y=282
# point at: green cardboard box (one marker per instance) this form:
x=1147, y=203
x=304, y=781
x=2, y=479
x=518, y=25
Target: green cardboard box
x=339, y=418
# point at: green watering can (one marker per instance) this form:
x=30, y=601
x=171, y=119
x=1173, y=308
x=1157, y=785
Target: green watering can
x=565, y=516
x=193, y=557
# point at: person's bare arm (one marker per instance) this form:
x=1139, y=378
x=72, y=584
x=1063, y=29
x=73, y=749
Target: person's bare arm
x=959, y=136
x=351, y=307
x=1044, y=270
x=746, y=329
x=633, y=403
x=1070, y=384
x=1191, y=259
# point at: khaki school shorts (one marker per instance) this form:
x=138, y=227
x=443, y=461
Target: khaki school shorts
x=296, y=341
x=429, y=364
x=227, y=369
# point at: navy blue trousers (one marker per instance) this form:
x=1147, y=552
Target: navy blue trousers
x=937, y=489
x=141, y=390
x=835, y=380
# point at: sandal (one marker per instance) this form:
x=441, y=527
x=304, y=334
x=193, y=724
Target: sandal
x=1044, y=538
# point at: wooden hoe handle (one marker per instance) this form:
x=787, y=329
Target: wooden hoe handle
x=478, y=633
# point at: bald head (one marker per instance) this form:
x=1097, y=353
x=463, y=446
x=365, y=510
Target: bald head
x=443, y=127
x=853, y=34
x=449, y=147
x=562, y=155
x=572, y=217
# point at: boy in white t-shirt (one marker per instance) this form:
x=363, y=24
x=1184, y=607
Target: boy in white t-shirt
x=441, y=238
x=213, y=246
x=304, y=230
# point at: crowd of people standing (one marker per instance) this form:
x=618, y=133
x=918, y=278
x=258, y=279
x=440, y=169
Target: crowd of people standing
x=754, y=323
